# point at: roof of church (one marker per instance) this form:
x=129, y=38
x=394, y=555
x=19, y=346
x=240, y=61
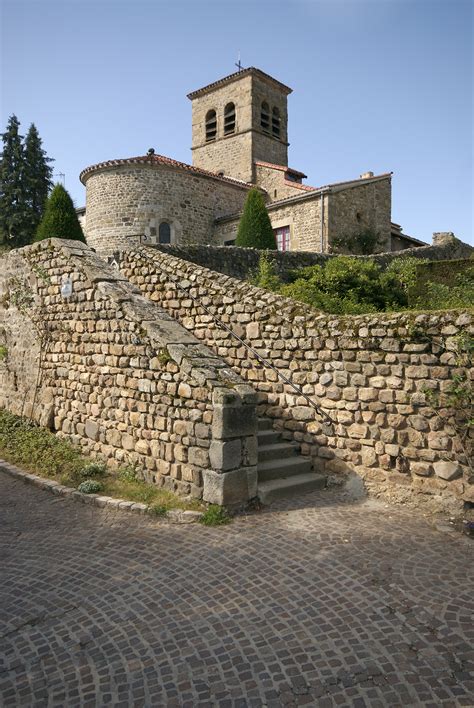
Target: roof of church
x=168, y=162
x=251, y=71
x=283, y=168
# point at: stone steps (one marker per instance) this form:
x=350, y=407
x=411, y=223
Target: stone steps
x=276, y=451
x=290, y=486
x=281, y=471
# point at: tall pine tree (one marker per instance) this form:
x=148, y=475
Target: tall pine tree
x=38, y=175
x=15, y=214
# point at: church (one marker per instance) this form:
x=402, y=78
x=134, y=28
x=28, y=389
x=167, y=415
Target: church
x=239, y=141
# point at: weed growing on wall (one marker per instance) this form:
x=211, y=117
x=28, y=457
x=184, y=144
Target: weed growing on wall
x=364, y=243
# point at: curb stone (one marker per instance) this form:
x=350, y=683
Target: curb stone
x=175, y=516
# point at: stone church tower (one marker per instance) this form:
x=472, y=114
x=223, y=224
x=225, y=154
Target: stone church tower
x=238, y=120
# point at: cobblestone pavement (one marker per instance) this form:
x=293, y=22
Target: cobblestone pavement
x=315, y=603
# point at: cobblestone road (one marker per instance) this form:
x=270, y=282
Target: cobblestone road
x=319, y=603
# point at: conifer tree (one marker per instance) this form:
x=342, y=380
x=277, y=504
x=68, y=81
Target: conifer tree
x=60, y=218
x=255, y=229
x=38, y=175
x=14, y=211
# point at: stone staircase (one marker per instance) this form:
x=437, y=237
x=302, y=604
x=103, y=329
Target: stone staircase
x=281, y=471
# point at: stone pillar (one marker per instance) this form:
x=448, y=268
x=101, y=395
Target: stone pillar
x=442, y=238
x=233, y=451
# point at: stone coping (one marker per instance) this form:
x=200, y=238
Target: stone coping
x=176, y=516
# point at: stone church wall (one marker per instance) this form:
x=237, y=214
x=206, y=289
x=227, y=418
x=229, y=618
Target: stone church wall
x=347, y=212
x=126, y=201
x=368, y=373
x=119, y=377
x=303, y=218
x=359, y=207
x=273, y=181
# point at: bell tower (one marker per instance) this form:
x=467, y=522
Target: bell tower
x=238, y=120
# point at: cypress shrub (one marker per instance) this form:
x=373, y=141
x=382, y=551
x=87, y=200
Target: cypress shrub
x=255, y=229
x=60, y=218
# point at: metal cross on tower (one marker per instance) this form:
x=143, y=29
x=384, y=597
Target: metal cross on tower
x=238, y=64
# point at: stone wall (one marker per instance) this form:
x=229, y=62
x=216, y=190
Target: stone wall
x=127, y=201
x=368, y=373
x=242, y=262
x=347, y=211
x=119, y=376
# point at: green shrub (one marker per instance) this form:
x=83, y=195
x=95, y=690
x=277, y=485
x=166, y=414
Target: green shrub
x=37, y=449
x=265, y=276
x=158, y=510
x=255, y=229
x=400, y=279
x=93, y=469
x=439, y=296
x=215, y=516
x=344, y=285
x=352, y=286
x=90, y=486
x=127, y=473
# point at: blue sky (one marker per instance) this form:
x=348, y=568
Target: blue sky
x=382, y=85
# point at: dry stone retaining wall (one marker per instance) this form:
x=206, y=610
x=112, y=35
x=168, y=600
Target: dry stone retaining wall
x=242, y=262
x=369, y=373
x=119, y=376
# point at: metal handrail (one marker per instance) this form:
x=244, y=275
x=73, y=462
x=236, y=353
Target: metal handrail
x=264, y=361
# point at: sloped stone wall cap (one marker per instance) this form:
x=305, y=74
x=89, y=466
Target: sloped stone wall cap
x=164, y=332
x=118, y=292
x=138, y=307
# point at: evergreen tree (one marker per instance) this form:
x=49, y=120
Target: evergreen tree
x=255, y=229
x=38, y=175
x=14, y=210
x=60, y=218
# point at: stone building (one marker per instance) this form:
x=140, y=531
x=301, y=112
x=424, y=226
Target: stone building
x=239, y=141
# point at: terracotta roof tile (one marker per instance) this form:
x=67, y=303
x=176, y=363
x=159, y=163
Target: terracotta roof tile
x=251, y=70
x=297, y=185
x=162, y=160
x=282, y=168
